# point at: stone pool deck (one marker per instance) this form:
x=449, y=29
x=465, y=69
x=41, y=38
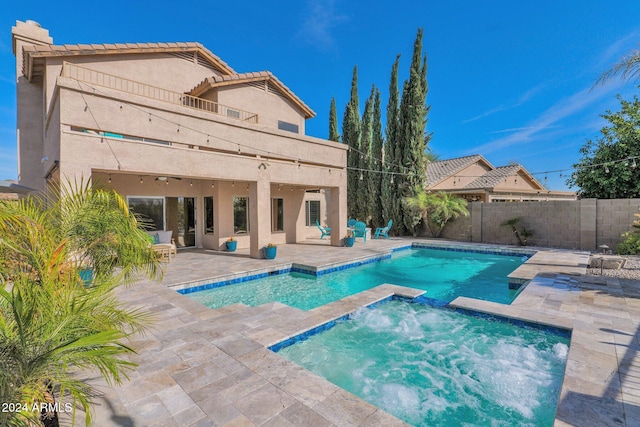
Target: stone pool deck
x=203, y=367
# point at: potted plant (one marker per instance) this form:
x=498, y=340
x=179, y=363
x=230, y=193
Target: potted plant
x=231, y=244
x=349, y=240
x=270, y=251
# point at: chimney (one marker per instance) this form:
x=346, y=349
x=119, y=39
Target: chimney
x=30, y=109
x=27, y=33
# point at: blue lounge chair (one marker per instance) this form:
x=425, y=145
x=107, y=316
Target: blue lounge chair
x=360, y=230
x=351, y=222
x=326, y=231
x=383, y=231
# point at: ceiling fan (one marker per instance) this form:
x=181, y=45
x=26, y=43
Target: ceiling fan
x=165, y=178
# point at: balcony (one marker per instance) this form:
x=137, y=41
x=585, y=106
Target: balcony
x=98, y=78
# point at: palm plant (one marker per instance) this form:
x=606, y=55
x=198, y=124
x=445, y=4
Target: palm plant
x=54, y=322
x=628, y=68
x=438, y=209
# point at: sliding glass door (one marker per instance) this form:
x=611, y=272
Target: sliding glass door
x=149, y=209
x=181, y=217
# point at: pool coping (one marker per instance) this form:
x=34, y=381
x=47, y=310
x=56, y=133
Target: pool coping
x=405, y=294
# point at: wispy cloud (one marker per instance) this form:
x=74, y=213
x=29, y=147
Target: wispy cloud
x=615, y=51
x=521, y=100
x=322, y=18
x=548, y=119
x=510, y=130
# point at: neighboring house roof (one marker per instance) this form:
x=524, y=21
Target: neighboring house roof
x=495, y=176
x=33, y=53
x=443, y=169
x=258, y=76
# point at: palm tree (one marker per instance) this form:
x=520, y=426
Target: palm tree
x=55, y=320
x=628, y=68
x=438, y=209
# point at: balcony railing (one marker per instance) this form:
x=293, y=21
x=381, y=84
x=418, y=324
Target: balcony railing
x=98, y=78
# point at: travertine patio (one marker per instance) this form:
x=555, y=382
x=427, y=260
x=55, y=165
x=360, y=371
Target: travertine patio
x=203, y=367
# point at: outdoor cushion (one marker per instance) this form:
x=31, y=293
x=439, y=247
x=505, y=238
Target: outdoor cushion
x=156, y=239
x=164, y=236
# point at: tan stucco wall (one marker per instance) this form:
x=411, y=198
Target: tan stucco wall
x=30, y=112
x=516, y=182
x=128, y=160
x=269, y=107
x=160, y=70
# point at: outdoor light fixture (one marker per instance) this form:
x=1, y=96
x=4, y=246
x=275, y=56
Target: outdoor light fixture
x=109, y=181
x=213, y=185
x=191, y=184
x=141, y=181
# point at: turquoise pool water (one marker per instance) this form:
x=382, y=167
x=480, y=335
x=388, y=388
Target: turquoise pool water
x=445, y=275
x=435, y=367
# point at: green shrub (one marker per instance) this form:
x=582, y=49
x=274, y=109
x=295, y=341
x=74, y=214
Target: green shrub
x=630, y=245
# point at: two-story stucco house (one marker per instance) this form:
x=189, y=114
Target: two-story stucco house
x=198, y=148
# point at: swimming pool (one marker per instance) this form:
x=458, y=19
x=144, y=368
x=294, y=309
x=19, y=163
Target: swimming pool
x=433, y=366
x=444, y=274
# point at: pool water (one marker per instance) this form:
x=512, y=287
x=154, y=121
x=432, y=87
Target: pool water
x=445, y=275
x=433, y=366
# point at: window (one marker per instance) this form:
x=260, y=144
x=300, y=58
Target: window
x=277, y=215
x=150, y=209
x=208, y=215
x=233, y=113
x=312, y=210
x=240, y=215
x=289, y=127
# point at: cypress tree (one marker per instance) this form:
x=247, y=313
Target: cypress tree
x=333, y=122
x=375, y=164
x=351, y=137
x=411, y=134
x=363, y=197
x=389, y=198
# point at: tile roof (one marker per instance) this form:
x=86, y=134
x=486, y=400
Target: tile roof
x=32, y=52
x=437, y=171
x=493, y=177
x=233, y=79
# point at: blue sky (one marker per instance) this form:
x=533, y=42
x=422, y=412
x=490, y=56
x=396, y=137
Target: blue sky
x=508, y=80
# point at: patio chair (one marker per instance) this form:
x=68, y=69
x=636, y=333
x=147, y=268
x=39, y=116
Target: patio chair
x=351, y=222
x=163, y=243
x=326, y=231
x=383, y=231
x=360, y=230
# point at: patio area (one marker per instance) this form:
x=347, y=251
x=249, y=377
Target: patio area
x=203, y=367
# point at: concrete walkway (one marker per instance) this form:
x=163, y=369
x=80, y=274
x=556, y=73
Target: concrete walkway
x=203, y=367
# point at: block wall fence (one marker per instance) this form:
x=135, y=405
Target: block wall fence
x=573, y=224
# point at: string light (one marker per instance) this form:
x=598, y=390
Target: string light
x=109, y=181
x=393, y=168
x=141, y=181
